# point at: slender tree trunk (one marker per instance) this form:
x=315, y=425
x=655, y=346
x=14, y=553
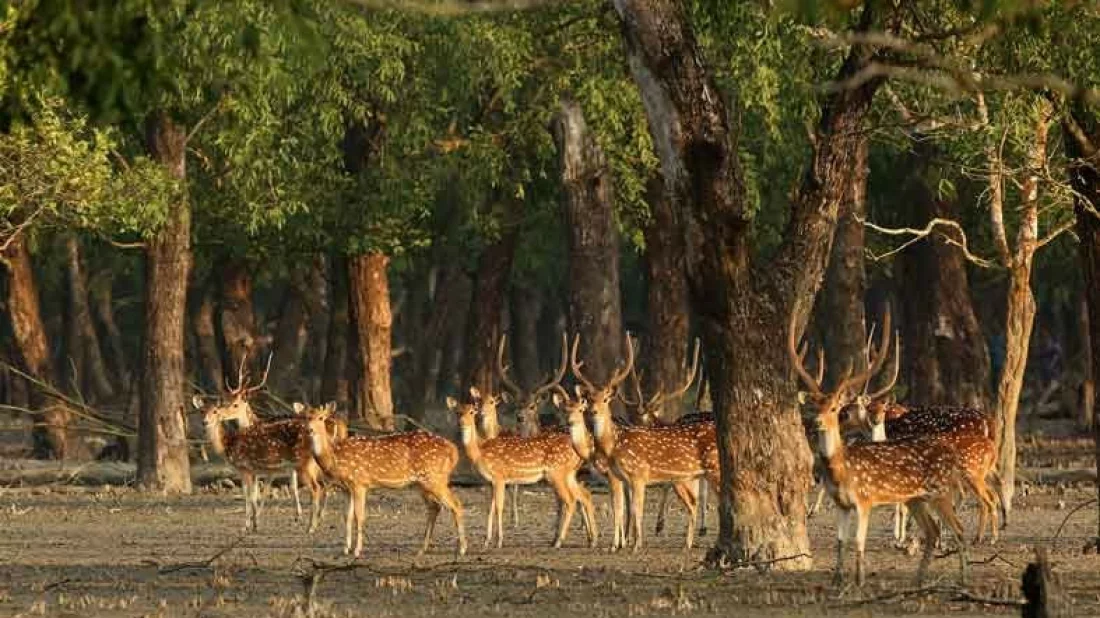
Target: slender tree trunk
x=82, y=326
x=1087, y=396
x=50, y=433
x=334, y=382
x=372, y=325
x=526, y=304
x=666, y=299
x=946, y=359
x=206, y=336
x=485, y=324
x=162, y=437
x=841, y=311
x=744, y=310
x=1082, y=130
x=594, y=305
x=291, y=333
x=1020, y=308
x=236, y=315
x=103, y=301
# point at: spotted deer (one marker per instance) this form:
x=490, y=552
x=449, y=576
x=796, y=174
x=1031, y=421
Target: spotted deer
x=648, y=413
x=641, y=456
x=920, y=473
x=391, y=461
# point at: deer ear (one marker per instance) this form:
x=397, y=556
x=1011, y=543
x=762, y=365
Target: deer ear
x=452, y=403
x=299, y=407
x=330, y=406
x=197, y=402
x=505, y=397
x=803, y=397
x=475, y=393
x=557, y=400
x=579, y=390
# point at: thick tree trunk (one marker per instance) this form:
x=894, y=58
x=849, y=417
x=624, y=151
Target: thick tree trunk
x=206, y=336
x=236, y=316
x=50, y=433
x=526, y=310
x=946, y=360
x=162, y=437
x=485, y=324
x=318, y=306
x=744, y=311
x=95, y=375
x=841, y=310
x=371, y=330
x=103, y=301
x=666, y=299
x=593, y=281
x=334, y=382
x=291, y=333
x=1082, y=130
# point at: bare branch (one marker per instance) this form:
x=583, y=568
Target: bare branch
x=13, y=231
x=126, y=245
x=1054, y=234
x=921, y=234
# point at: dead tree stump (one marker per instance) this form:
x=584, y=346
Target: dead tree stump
x=1044, y=596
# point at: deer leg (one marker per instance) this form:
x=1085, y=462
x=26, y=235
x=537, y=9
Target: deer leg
x=492, y=515
x=704, y=490
x=588, y=513
x=247, y=479
x=498, y=501
x=515, y=506
x=297, y=497
x=863, y=518
x=637, y=502
x=843, y=520
x=686, y=492
x=662, y=511
x=433, y=507
x=316, y=491
x=444, y=495
x=567, y=506
x=349, y=521
x=901, y=520
x=816, y=506
x=947, y=511
x=931, y=532
x=360, y=518
x=618, y=506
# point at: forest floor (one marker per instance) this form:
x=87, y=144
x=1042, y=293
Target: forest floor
x=106, y=550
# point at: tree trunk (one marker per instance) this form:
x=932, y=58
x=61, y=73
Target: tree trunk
x=291, y=333
x=206, y=335
x=1087, y=396
x=593, y=281
x=526, y=310
x=162, y=437
x=236, y=316
x=372, y=322
x=484, y=326
x=744, y=311
x=451, y=359
x=1082, y=130
x=81, y=326
x=103, y=300
x=841, y=311
x=50, y=433
x=946, y=360
x=334, y=382
x=666, y=299
x=1020, y=311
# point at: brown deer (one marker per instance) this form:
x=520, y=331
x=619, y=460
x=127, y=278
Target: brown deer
x=392, y=461
x=512, y=459
x=648, y=413
x=641, y=456
x=919, y=473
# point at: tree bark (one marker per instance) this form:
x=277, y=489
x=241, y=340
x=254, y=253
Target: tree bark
x=485, y=323
x=946, y=359
x=334, y=382
x=593, y=278
x=162, y=438
x=744, y=310
x=236, y=316
x=291, y=333
x=666, y=299
x=842, y=296
x=372, y=322
x=95, y=375
x=526, y=310
x=103, y=302
x=447, y=374
x=1082, y=129
x=50, y=432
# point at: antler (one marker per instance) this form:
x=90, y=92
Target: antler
x=796, y=359
x=503, y=370
x=637, y=391
x=557, y=377
x=897, y=367
x=263, y=380
x=874, y=365
x=576, y=365
x=621, y=374
x=691, y=376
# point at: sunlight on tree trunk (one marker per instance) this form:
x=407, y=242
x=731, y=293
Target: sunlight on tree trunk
x=371, y=329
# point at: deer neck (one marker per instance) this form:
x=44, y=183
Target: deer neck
x=834, y=454
x=216, y=434
x=582, y=442
x=603, y=428
x=321, y=447
x=471, y=442
x=878, y=432
x=490, y=426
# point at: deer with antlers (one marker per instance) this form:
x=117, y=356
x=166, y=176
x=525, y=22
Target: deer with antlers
x=392, y=461
x=641, y=456
x=648, y=413
x=516, y=460
x=920, y=473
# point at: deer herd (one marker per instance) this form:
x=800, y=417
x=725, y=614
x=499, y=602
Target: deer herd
x=870, y=451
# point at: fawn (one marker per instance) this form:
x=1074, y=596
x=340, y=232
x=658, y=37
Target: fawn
x=393, y=461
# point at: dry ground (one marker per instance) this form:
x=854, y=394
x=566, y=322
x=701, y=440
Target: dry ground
x=110, y=551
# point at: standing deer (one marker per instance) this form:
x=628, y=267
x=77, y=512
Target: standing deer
x=641, y=456
x=512, y=459
x=920, y=473
x=393, y=461
x=648, y=412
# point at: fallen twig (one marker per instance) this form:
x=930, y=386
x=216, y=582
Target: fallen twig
x=1070, y=514
x=204, y=564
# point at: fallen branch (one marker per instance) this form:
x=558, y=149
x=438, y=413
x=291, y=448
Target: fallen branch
x=1070, y=514
x=204, y=564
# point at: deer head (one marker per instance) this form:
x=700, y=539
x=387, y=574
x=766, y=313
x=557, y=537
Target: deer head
x=316, y=419
x=599, y=397
x=649, y=411
x=529, y=402
x=829, y=404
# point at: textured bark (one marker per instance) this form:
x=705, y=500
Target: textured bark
x=663, y=358
x=744, y=309
x=206, y=337
x=526, y=310
x=485, y=324
x=334, y=382
x=162, y=439
x=291, y=333
x=841, y=310
x=593, y=278
x=95, y=376
x=103, y=303
x=236, y=316
x=318, y=305
x=1082, y=130
x=50, y=433
x=946, y=360
x=371, y=333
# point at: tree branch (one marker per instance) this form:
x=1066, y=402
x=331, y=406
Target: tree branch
x=921, y=234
